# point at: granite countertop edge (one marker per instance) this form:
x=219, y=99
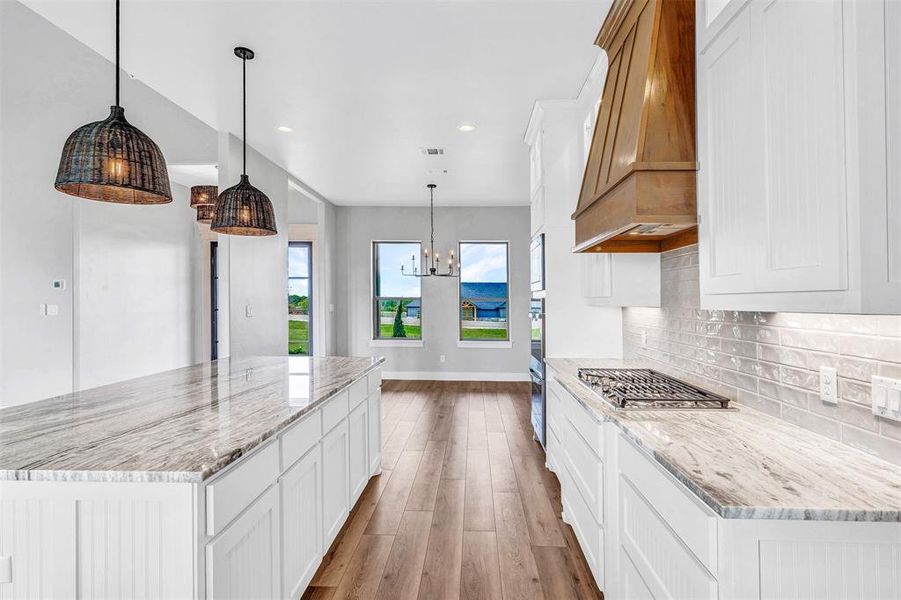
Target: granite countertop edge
x=725, y=511
x=191, y=476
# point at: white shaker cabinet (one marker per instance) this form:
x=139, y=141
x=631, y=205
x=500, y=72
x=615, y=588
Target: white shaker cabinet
x=300, y=495
x=358, y=457
x=243, y=561
x=375, y=432
x=792, y=143
x=335, y=482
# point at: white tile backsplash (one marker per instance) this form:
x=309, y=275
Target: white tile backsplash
x=771, y=361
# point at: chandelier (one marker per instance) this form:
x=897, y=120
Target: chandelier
x=433, y=260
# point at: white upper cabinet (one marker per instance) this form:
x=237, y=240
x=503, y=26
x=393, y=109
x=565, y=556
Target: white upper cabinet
x=795, y=142
x=559, y=135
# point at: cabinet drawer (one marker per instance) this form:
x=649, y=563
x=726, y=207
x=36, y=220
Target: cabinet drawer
x=588, y=532
x=692, y=522
x=583, y=424
x=334, y=410
x=300, y=437
x=357, y=393
x=587, y=471
x=668, y=569
x=233, y=491
x=375, y=380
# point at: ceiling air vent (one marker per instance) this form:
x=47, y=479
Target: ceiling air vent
x=432, y=151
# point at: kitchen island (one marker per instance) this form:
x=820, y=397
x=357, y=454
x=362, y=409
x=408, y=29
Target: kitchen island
x=718, y=504
x=223, y=479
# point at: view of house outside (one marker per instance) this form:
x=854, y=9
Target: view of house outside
x=484, y=295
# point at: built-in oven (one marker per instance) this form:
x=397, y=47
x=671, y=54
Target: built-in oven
x=536, y=369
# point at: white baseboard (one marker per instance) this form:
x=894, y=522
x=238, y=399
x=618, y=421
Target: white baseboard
x=455, y=376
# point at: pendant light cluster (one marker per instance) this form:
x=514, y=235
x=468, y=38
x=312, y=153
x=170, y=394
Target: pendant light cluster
x=434, y=260
x=203, y=198
x=114, y=161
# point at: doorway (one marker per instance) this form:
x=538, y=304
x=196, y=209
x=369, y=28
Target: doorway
x=300, y=298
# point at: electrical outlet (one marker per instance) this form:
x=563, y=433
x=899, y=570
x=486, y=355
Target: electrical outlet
x=248, y=310
x=828, y=385
x=441, y=358
x=886, y=397
x=644, y=339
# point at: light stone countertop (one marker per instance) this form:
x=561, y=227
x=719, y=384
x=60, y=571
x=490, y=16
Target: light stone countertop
x=177, y=426
x=748, y=465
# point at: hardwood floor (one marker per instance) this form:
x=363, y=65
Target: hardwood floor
x=464, y=507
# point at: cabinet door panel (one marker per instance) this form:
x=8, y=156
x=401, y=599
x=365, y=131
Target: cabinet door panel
x=301, y=509
x=358, y=446
x=893, y=132
x=335, y=482
x=728, y=190
x=799, y=65
x=243, y=562
x=375, y=432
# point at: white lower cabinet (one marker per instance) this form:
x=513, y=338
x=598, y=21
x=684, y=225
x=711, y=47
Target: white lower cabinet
x=335, y=482
x=358, y=450
x=243, y=561
x=300, y=491
x=257, y=529
x=647, y=536
x=375, y=432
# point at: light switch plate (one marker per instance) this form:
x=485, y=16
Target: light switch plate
x=886, y=397
x=828, y=385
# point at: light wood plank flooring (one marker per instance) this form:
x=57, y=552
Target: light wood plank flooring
x=464, y=507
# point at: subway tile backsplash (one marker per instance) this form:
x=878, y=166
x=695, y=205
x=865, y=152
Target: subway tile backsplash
x=771, y=361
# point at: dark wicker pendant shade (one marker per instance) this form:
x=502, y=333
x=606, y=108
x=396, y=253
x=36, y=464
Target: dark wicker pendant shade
x=113, y=161
x=204, y=195
x=205, y=213
x=244, y=210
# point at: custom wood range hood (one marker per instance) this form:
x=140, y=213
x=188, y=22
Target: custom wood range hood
x=638, y=192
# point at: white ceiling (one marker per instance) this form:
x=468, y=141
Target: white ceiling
x=364, y=85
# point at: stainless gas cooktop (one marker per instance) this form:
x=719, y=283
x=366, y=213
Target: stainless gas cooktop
x=648, y=389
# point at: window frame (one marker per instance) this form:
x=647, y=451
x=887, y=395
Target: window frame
x=310, y=305
x=376, y=338
x=483, y=342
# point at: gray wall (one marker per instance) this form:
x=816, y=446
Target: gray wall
x=771, y=361
x=357, y=227
x=126, y=307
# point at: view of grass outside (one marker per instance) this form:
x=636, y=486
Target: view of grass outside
x=398, y=303
x=484, y=297
x=299, y=267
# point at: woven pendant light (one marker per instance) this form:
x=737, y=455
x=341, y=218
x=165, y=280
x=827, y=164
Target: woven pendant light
x=202, y=195
x=243, y=209
x=205, y=213
x=112, y=160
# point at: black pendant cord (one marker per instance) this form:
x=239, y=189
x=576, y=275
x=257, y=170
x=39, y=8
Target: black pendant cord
x=244, y=110
x=117, y=52
x=432, y=222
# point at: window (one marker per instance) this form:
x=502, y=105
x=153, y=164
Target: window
x=300, y=299
x=397, y=298
x=484, y=298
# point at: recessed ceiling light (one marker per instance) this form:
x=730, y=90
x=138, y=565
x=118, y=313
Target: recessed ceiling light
x=284, y=129
x=466, y=127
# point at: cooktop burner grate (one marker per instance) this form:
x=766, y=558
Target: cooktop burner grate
x=646, y=388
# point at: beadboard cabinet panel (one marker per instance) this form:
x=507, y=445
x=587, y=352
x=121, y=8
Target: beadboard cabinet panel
x=335, y=482
x=358, y=450
x=301, y=509
x=798, y=49
x=799, y=142
x=375, y=432
x=726, y=183
x=243, y=561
